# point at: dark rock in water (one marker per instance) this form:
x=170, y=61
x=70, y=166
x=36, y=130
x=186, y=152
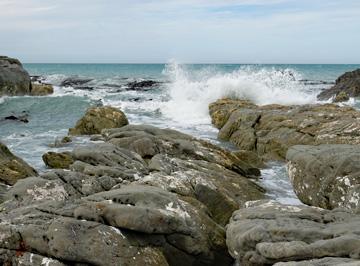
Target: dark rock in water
x=23, y=118
x=112, y=85
x=316, y=82
x=38, y=79
x=74, y=81
x=135, y=99
x=13, y=168
x=348, y=83
x=97, y=119
x=266, y=233
x=99, y=103
x=142, y=85
x=326, y=176
x=271, y=129
x=14, y=80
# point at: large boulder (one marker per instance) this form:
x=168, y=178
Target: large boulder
x=14, y=80
x=347, y=84
x=326, y=176
x=98, y=118
x=266, y=233
x=12, y=168
x=271, y=129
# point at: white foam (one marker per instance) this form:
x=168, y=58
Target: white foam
x=191, y=91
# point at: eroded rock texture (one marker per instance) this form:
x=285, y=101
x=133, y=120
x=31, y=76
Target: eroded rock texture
x=326, y=176
x=266, y=233
x=271, y=129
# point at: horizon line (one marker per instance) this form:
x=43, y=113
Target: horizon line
x=183, y=63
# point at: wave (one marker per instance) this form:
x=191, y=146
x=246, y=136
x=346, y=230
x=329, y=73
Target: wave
x=192, y=90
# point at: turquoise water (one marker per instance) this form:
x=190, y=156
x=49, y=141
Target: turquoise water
x=313, y=72
x=180, y=101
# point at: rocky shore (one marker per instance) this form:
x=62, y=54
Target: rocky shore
x=143, y=195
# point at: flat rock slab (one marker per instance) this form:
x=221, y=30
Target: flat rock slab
x=271, y=129
x=326, y=176
x=266, y=233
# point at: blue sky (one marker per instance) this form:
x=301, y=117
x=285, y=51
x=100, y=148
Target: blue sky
x=212, y=31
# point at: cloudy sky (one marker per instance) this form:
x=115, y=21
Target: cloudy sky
x=229, y=31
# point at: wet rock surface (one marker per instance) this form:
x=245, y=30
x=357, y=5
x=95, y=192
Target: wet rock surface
x=271, y=129
x=97, y=119
x=145, y=196
x=326, y=176
x=14, y=80
x=12, y=168
x=74, y=81
x=142, y=85
x=266, y=233
x=348, y=83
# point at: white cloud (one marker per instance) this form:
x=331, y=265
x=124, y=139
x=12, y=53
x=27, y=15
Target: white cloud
x=149, y=30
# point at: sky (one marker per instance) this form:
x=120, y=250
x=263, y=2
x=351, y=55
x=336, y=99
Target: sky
x=189, y=31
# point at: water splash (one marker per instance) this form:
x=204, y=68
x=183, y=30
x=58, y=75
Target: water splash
x=192, y=90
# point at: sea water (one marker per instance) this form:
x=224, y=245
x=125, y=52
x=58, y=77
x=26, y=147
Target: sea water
x=180, y=102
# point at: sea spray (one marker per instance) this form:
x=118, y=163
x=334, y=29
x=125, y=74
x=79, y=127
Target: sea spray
x=192, y=90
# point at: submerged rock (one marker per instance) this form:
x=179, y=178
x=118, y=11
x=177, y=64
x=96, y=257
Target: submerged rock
x=40, y=89
x=348, y=83
x=23, y=117
x=271, y=129
x=74, y=81
x=268, y=232
x=326, y=176
x=142, y=85
x=14, y=80
x=12, y=168
x=97, y=119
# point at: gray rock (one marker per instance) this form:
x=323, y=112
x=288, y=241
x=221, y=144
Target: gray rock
x=268, y=232
x=321, y=262
x=133, y=225
x=326, y=176
x=348, y=83
x=14, y=80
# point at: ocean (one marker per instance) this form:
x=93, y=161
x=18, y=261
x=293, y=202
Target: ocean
x=180, y=101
